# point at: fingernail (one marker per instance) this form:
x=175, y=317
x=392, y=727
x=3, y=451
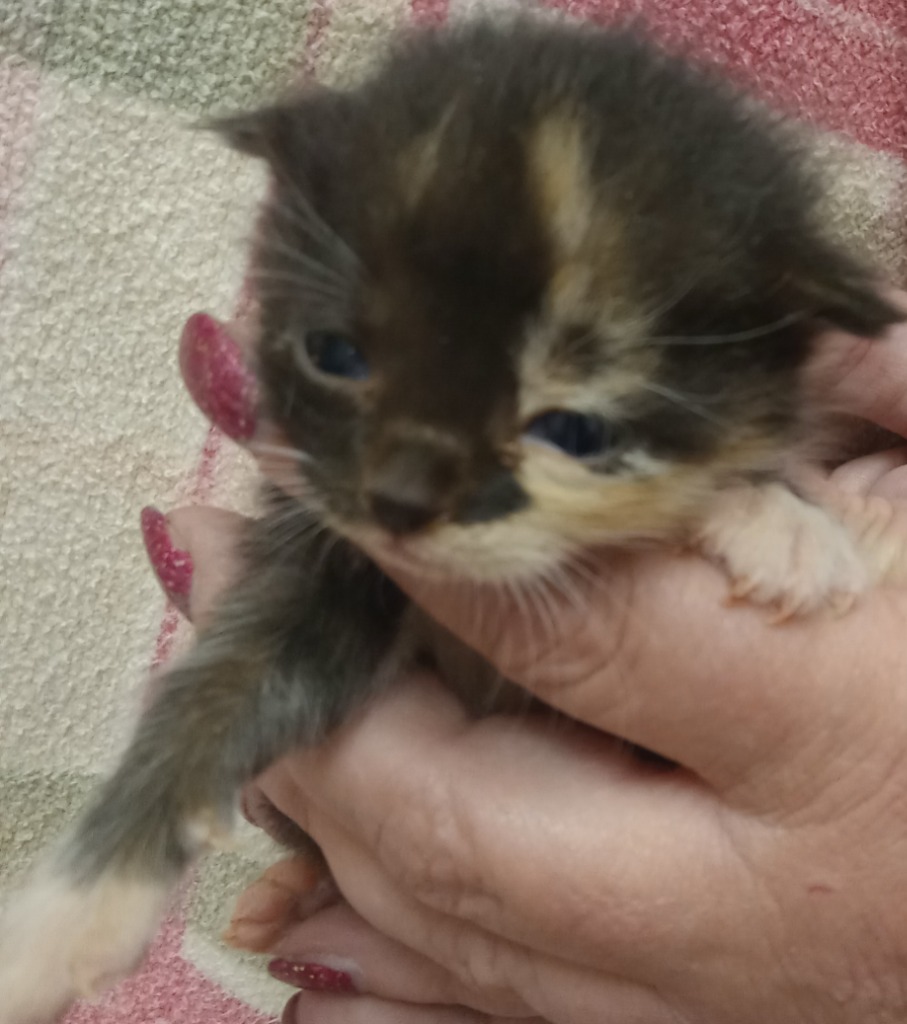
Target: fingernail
x=172, y=565
x=312, y=977
x=217, y=376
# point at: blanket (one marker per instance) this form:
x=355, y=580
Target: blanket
x=117, y=221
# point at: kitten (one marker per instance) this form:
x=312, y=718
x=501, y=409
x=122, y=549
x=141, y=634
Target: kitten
x=528, y=290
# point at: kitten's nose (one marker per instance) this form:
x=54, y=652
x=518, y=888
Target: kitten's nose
x=411, y=486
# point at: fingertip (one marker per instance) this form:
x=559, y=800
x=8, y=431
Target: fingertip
x=291, y=1010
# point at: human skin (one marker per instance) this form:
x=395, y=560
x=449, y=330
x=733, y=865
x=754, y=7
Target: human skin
x=534, y=868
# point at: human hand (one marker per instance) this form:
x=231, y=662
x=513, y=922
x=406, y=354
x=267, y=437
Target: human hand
x=537, y=872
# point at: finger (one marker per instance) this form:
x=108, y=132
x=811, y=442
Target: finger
x=484, y=972
x=337, y=948
x=460, y=816
x=867, y=378
x=651, y=653
x=892, y=485
x=312, y=1008
x=864, y=475
x=566, y=992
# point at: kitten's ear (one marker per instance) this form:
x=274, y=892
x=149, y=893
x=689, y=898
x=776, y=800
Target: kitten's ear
x=297, y=137
x=267, y=133
x=839, y=290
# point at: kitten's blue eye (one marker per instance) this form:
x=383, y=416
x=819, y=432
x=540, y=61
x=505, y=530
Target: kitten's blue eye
x=335, y=354
x=578, y=434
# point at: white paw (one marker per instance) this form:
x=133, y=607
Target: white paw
x=61, y=941
x=783, y=552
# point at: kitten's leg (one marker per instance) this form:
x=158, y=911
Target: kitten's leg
x=783, y=551
x=294, y=648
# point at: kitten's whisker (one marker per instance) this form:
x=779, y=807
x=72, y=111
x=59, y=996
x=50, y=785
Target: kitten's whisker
x=668, y=305
x=301, y=214
x=517, y=593
x=562, y=596
x=302, y=272
x=308, y=294
x=540, y=608
x=519, y=632
x=684, y=402
x=583, y=567
x=304, y=532
x=732, y=338
x=333, y=539
x=560, y=580
x=305, y=216
x=529, y=614
x=312, y=264
x=645, y=321
x=262, y=275
x=284, y=451
x=673, y=301
x=541, y=618
x=302, y=282
x=294, y=529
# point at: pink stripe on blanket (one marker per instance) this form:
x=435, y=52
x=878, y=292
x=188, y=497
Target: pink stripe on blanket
x=429, y=12
x=888, y=15
x=318, y=21
x=168, y=990
x=818, y=67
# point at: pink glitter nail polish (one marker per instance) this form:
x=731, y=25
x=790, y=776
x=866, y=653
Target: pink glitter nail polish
x=172, y=566
x=217, y=377
x=312, y=977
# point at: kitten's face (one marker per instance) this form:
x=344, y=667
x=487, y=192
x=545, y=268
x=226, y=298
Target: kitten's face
x=523, y=295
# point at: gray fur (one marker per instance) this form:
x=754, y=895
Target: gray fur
x=300, y=641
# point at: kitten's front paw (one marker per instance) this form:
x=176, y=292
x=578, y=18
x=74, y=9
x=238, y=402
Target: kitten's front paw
x=782, y=552
x=61, y=941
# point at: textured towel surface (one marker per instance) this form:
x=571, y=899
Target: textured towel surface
x=116, y=222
